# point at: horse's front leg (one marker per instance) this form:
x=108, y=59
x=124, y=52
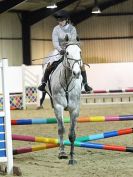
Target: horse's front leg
x=61, y=130
x=72, y=135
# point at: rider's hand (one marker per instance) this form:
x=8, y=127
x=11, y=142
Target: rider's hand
x=62, y=52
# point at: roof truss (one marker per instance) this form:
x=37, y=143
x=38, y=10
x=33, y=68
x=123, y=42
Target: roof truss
x=42, y=13
x=8, y=4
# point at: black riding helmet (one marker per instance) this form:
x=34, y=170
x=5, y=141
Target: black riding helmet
x=61, y=15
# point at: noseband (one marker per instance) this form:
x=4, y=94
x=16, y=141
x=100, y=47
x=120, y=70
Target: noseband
x=75, y=61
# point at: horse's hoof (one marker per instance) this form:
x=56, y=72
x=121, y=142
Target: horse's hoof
x=72, y=162
x=62, y=155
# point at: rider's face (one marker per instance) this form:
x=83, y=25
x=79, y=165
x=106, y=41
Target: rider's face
x=62, y=23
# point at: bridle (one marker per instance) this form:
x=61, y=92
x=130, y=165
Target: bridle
x=67, y=66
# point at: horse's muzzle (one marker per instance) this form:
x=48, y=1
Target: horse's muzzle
x=76, y=74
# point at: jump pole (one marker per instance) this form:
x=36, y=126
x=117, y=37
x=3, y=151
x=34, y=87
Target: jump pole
x=81, y=139
x=6, y=154
x=33, y=148
x=55, y=142
x=67, y=120
x=110, y=91
x=104, y=146
x=77, y=144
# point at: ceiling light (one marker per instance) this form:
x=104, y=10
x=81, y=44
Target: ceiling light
x=52, y=6
x=96, y=10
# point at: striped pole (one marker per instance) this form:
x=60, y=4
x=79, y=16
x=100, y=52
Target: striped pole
x=67, y=120
x=104, y=146
x=35, y=139
x=110, y=91
x=77, y=144
x=105, y=135
x=33, y=148
x=81, y=139
x=55, y=142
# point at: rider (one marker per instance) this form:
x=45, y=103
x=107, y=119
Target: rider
x=59, y=32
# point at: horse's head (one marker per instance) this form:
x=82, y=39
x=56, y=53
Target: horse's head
x=73, y=58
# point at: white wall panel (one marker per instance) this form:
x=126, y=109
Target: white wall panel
x=100, y=76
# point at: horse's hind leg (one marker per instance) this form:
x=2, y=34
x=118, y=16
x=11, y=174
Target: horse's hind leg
x=61, y=131
x=72, y=137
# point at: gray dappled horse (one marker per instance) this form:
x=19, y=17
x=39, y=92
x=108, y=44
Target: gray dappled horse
x=65, y=91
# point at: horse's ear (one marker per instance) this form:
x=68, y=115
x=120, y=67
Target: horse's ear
x=66, y=38
x=77, y=38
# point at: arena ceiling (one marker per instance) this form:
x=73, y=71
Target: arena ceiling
x=80, y=10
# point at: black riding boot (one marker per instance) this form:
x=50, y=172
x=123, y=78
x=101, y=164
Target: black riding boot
x=48, y=71
x=44, y=80
x=86, y=86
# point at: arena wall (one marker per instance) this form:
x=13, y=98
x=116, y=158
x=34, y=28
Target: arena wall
x=100, y=76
